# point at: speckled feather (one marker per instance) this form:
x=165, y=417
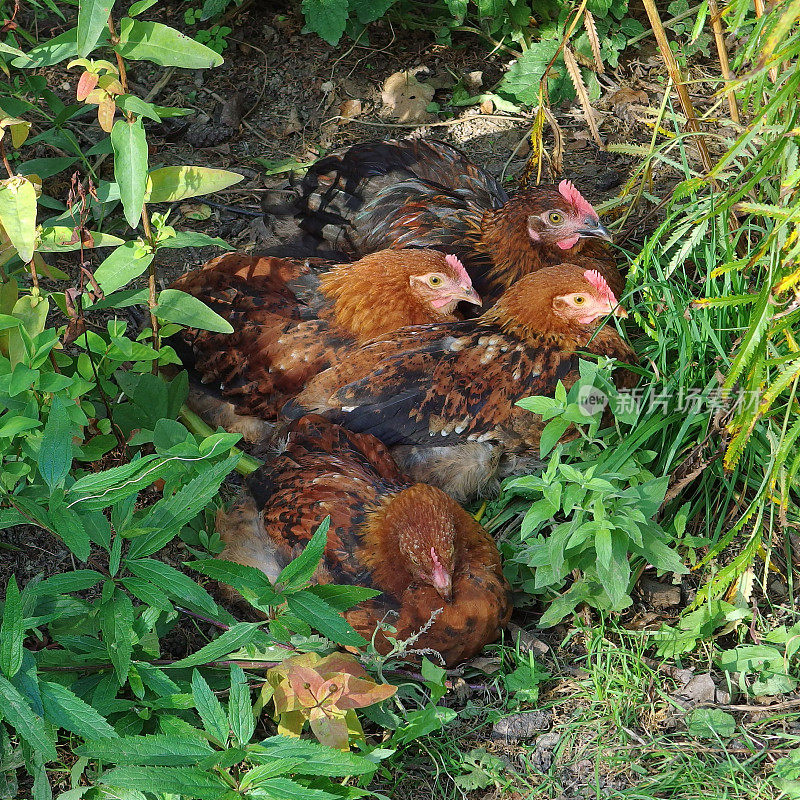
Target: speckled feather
x=294, y=318
x=327, y=470
x=457, y=384
x=425, y=193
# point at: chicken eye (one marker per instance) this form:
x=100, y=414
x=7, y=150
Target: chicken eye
x=554, y=217
x=579, y=299
x=435, y=280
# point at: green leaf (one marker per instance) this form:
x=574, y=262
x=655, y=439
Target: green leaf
x=180, y=587
x=150, y=750
x=286, y=789
x=65, y=709
x=140, y=7
x=11, y=631
x=59, y=48
x=29, y=725
x=323, y=617
x=327, y=18
x=92, y=21
x=522, y=79
x=552, y=432
x=127, y=262
x=152, y=41
x=210, y=709
x=185, y=309
x=193, y=239
x=316, y=758
x=170, y=514
x=235, y=637
x=298, y=572
x=129, y=143
x=711, y=723
x=343, y=597
x=116, y=624
x=184, y=781
x=169, y=184
x=101, y=489
x=77, y=581
x=370, y=10
x=148, y=593
x=55, y=452
x=18, y=214
x=240, y=709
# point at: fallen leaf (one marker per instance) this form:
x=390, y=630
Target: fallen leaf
x=198, y=211
x=405, y=98
x=623, y=101
x=350, y=109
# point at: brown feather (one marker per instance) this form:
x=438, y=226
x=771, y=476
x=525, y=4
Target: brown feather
x=382, y=530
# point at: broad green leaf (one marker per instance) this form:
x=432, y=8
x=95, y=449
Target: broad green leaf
x=370, y=10
x=169, y=184
x=12, y=631
x=152, y=41
x=65, y=709
x=240, y=709
x=29, y=725
x=18, y=214
x=235, y=637
x=148, y=593
x=140, y=7
x=185, y=309
x=129, y=143
x=92, y=20
x=522, y=79
x=170, y=514
x=316, y=758
x=193, y=239
x=323, y=617
x=135, y=105
x=299, y=572
x=101, y=489
x=60, y=239
x=327, y=18
x=59, y=48
x=150, y=750
x=180, y=781
x=209, y=708
x=178, y=586
x=55, y=452
x=286, y=789
x=343, y=597
x=127, y=262
x=76, y=581
x=116, y=624
x=711, y=723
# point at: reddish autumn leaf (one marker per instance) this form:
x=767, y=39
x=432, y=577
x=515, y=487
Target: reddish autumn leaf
x=86, y=83
x=105, y=114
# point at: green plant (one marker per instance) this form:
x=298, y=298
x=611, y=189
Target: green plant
x=590, y=512
x=214, y=37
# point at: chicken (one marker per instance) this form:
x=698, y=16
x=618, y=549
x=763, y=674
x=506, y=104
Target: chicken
x=443, y=396
x=410, y=541
x=293, y=319
x=414, y=192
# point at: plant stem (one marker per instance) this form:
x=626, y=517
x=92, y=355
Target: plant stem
x=722, y=51
x=196, y=424
x=5, y=160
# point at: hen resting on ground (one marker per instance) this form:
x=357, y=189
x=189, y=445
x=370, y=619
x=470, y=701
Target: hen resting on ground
x=421, y=193
x=443, y=396
x=412, y=542
x=292, y=319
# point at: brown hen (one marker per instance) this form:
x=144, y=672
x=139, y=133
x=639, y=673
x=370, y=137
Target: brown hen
x=293, y=318
x=413, y=543
x=425, y=193
x=443, y=396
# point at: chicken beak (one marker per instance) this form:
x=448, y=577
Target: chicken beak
x=595, y=228
x=620, y=312
x=469, y=295
x=443, y=583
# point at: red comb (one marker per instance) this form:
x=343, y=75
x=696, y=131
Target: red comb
x=599, y=283
x=458, y=268
x=575, y=198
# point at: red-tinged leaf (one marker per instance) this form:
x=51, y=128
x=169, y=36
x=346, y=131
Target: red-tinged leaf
x=105, y=113
x=359, y=693
x=307, y=685
x=86, y=83
x=331, y=731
